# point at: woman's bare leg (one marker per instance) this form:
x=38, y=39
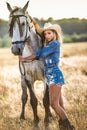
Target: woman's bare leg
x=61, y=101
x=54, y=95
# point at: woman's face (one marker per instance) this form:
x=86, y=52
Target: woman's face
x=49, y=35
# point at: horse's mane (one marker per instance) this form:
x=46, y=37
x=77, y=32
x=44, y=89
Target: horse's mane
x=15, y=9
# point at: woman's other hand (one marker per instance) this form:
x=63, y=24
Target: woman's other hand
x=31, y=57
x=21, y=58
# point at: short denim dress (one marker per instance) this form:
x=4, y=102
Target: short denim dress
x=54, y=75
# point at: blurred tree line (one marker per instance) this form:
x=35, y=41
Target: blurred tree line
x=5, y=40
x=74, y=30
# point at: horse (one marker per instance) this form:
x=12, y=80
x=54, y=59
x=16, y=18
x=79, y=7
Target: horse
x=25, y=41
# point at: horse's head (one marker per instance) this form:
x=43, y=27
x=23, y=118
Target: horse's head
x=20, y=27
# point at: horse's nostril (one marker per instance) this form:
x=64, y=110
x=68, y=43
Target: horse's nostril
x=19, y=49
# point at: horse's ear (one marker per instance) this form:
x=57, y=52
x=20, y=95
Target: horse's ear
x=25, y=7
x=9, y=7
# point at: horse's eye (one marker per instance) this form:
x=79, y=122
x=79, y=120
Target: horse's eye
x=23, y=24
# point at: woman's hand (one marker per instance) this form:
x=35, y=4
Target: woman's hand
x=21, y=58
x=32, y=57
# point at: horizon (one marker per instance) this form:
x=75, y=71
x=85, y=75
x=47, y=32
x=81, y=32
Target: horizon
x=50, y=17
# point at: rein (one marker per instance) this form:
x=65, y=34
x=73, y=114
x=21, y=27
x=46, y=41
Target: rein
x=23, y=74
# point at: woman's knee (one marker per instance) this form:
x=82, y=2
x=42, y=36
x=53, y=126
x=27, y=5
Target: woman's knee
x=55, y=105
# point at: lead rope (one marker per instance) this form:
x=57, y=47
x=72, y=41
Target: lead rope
x=22, y=73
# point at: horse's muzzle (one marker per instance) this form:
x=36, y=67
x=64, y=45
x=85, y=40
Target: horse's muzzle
x=16, y=50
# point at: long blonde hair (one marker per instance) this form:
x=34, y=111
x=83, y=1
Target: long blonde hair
x=59, y=34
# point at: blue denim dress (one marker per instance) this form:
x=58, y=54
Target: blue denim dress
x=50, y=55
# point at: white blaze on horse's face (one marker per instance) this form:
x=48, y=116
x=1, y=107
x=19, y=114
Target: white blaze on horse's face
x=20, y=33
x=16, y=32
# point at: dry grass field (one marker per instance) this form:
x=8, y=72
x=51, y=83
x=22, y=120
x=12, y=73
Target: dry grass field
x=74, y=67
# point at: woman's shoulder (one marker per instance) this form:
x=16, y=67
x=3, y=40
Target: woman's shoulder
x=56, y=42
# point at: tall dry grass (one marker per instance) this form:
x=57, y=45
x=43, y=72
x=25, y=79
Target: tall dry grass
x=74, y=67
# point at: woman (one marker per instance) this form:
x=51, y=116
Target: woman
x=50, y=54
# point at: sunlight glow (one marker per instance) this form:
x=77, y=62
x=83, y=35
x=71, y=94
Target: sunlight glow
x=56, y=9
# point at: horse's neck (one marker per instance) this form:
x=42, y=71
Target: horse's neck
x=34, y=45
x=35, y=38
x=27, y=51
x=36, y=41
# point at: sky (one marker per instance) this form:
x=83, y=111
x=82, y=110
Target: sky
x=57, y=9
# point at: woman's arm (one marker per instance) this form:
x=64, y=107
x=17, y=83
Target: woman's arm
x=32, y=57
